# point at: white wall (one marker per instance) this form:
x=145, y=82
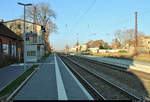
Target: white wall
x=94, y=50
x=31, y=48
x=112, y=50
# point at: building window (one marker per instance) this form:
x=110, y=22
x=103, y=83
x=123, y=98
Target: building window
x=19, y=26
x=27, y=38
x=34, y=39
x=31, y=53
x=30, y=28
x=28, y=53
x=11, y=26
x=1, y=46
x=16, y=49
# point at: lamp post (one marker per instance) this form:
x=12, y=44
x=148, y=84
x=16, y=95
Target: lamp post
x=24, y=32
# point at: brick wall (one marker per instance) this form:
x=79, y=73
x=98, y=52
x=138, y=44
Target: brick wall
x=12, y=46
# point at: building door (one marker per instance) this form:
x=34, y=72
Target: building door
x=38, y=50
x=16, y=49
x=9, y=48
x=1, y=46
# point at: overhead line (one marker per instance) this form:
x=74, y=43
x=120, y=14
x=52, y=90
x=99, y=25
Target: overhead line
x=85, y=12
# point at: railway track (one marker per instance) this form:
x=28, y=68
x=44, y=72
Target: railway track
x=103, y=87
x=117, y=75
x=93, y=91
x=123, y=69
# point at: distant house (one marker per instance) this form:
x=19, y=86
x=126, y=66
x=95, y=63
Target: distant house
x=144, y=43
x=93, y=46
x=10, y=43
x=115, y=44
x=77, y=47
x=84, y=47
x=90, y=46
x=72, y=50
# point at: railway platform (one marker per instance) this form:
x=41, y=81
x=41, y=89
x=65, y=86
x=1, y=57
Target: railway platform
x=53, y=81
x=135, y=65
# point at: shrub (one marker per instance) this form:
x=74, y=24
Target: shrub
x=46, y=55
x=6, y=60
x=123, y=51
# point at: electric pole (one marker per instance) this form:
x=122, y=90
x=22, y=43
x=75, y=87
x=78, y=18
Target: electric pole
x=25, y=31
x=135, y=34
x=77, y=43
x=77, y=46
x=35, y=19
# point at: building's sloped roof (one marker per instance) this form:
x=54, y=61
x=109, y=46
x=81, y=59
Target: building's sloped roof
x=93, y=44
x=144, y=36
x=22, y=21
x=147, y=37
x=7, y=32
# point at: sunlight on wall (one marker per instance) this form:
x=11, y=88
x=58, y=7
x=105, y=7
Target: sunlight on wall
x=143, y=76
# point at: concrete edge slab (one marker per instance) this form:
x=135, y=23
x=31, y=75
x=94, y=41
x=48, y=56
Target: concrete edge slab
x=77, y=81
x=60, y=86
x=141, y=69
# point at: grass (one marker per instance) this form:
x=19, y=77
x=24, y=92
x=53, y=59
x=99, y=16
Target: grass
x=14, y=84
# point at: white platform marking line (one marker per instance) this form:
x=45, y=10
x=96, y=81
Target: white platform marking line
x=60, y=86
x=77, y=81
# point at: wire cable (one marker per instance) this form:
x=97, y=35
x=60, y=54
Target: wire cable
x=88, y=9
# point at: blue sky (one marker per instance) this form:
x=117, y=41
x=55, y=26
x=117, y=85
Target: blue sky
x=103, y=18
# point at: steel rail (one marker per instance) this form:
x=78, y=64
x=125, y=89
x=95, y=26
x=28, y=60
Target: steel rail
x=98, y=95
x=97, y=75
x=114, y=67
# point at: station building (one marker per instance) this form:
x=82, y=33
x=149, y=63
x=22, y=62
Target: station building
x=35, y=45
x=10, y=43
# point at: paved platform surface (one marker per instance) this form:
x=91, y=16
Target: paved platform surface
x=10, y=73
x=53, y=81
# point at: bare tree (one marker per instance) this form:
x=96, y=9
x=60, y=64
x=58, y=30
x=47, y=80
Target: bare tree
x=101, y=44
x=126, y=36
x=43, y=14
x=115, y=43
